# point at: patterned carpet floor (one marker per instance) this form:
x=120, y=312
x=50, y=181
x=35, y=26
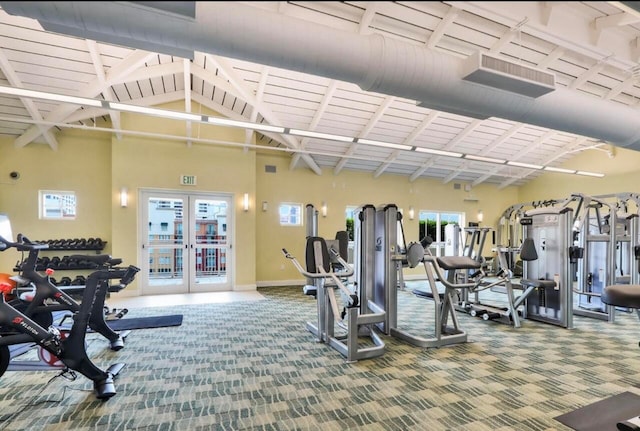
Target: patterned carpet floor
x=253, y=366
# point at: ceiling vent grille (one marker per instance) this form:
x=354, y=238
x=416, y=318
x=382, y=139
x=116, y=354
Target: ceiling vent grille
x=509, y=76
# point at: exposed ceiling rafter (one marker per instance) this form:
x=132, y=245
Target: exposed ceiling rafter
x=553, y=36
x=107, y=94
x=226, y=68
x=119, y=73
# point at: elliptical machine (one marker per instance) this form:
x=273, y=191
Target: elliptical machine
x=18, y=328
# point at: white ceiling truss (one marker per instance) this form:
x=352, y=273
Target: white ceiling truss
x=592, y=48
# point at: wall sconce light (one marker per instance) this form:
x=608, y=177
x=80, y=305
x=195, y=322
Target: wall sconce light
x=124, y=197
x=245, y=202
x=480, y=216
x=265, y=206
x=324, y=209
x=411, y=213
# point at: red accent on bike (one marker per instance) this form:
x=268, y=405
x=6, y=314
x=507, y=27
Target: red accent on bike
x=5, y=287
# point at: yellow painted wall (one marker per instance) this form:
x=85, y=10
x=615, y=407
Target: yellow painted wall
x=152, y=163
x=622, y=174
x=81, y=164
x=350, y=188
x=96, y=166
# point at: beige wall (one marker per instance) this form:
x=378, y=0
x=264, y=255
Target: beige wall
x=81, y=164
x=151, y=163
x=96, y=166
x=622, y=174
x=352, y=189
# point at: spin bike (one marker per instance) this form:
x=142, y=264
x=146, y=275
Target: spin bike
x=18, y=328
x=48, y=298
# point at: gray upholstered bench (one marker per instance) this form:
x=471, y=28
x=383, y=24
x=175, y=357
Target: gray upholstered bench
x=622, y=295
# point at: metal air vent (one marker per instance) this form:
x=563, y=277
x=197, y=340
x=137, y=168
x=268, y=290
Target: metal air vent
x=485, y=69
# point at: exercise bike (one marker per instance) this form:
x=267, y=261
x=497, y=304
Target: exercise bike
x=47, y=298
x=18, y=328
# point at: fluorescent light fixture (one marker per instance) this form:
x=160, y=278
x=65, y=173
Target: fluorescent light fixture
x=244, y=124
x=185, y=116
x=590, y=174
x=524, y=165
x=439, y=152
x=485, y=159
x=383, y=144
x=155, y=111
x=116, y=106
x=264, y=127
x=319, y=135
x=22, y=92
x=560, y=170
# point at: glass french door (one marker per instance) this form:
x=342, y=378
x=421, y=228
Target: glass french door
x=186, y=242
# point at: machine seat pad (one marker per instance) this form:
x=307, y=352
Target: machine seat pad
x=458, y=262
x=622, y=295
x=545, y=284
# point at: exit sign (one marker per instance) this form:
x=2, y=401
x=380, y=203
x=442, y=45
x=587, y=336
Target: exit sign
x=188, y=180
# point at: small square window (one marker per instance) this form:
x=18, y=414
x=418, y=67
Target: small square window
x=57, y=205
x=290, y=214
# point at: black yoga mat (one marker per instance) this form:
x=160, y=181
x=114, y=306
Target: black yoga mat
x=145, y=322
x=603, y=415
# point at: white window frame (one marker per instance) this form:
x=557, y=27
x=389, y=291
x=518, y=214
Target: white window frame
x=290, y=205
x=439, y=242
x=68, y=211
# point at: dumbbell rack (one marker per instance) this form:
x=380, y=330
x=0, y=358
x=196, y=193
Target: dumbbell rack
x=66, y=263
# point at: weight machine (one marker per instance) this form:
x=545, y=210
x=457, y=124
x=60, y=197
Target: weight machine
x=609, y=236
x=320, y=261
x=326, y=271
x=377, y=248
x=549, y=277
x=475, y=238
x=509, y=233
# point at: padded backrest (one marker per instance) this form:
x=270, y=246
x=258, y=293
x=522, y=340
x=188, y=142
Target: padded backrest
x=343, y=244
x=317, y=255
x=528, y=250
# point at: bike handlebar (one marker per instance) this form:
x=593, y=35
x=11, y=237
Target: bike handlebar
x=22, y=244
x=126, y=276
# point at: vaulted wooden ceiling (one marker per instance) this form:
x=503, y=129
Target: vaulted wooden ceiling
x=592, y=48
